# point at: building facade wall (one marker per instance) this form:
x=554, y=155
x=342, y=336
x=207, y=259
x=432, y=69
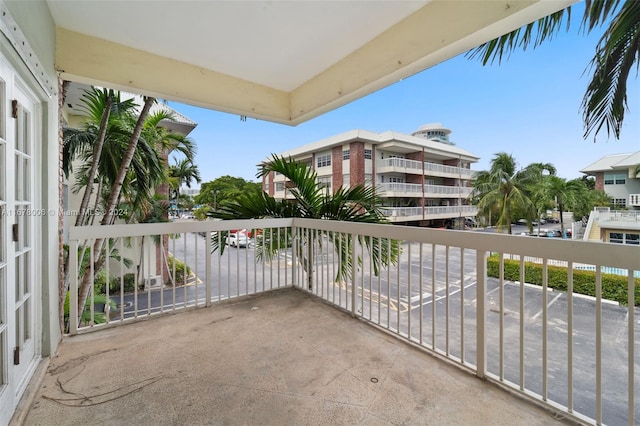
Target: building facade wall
x=336, y=167
x=600, y=181
x=356, y=162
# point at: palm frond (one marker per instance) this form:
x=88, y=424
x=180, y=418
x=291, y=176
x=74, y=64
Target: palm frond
x=605, y=101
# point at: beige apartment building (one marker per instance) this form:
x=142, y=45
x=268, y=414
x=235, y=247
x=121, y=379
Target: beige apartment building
x=423, y=179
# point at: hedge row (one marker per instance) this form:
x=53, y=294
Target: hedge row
x=614, y=287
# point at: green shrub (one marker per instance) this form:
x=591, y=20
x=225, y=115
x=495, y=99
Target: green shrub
x=181, y=269
x=99, y=316
x=614, y=287
x=100, y=285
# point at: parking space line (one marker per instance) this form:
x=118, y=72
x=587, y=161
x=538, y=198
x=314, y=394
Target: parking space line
x=535, y=317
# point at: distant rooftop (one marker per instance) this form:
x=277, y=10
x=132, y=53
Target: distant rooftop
x=613, y=162
x=432, y=137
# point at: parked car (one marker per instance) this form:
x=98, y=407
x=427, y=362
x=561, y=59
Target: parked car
x=237, y=239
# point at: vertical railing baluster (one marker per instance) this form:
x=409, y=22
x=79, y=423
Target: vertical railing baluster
x=501, y=313
x=370, y=276
x=196, y=266
x=379, y=245
x=354, y=275
x=107, y=303
x=147, y=278
x=481, y=313
x=207, y=268
x=570, y=337
x=433, y=297
x=73, y=287
x=545, y=355
x=139, y=270
x=172, y=272
x=184, y=270
x=462, y=305
x=389, y=281
x=599, y=344
x=631, y=302
x=398, y=269
x=446, y=296
x=522, y=281
x=161, y=272
x=409, y=244
x=218, y=235
x=121, y=248
x=421, y=280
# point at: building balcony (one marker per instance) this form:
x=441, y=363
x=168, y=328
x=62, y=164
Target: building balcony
x=418, y=190
x=405, y=214
x=251, y=338
x=401, y=165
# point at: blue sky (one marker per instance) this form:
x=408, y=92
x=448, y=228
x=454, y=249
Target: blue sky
x=528, y=106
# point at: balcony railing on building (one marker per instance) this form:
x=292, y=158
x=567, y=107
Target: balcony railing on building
x=476, y=299
x=402, y=165
x=418, y=190
x=428, y=212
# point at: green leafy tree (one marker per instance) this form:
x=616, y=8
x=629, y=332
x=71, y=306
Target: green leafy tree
x=225, y=190
x=311, y=200
x=567, y=194
x=538, y=179
x=617, y=52
x=501, y=190
x=184, y=171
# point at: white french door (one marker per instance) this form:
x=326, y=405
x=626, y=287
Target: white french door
x=18, y=214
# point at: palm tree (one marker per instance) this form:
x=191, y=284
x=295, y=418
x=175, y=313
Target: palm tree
x=605, y=100
x=312, y=200
x=537, y=177
x=182, y=172
x=503, y=190
x=566, y=194
x=105, y=111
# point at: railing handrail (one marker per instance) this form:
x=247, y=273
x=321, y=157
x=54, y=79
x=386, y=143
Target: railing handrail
x=432, y=167
x=613, y=255
x=143, y=229
x=428, y=188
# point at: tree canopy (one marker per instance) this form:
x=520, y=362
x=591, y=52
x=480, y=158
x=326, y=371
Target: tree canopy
x=225, y=190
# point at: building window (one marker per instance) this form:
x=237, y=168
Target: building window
x=632, y=239
x=279, y=186
x=615, y=178
x=367, y=154
x=266, y=186
x=396, y=179
x=324, y=182
x=368, y=179
x=345, y=154
x=619, y=203
x=323, y=160
x=624, y=238
x=346, y=180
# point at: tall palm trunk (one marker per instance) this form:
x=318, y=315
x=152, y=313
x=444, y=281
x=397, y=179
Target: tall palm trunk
x=114, y=196
x=95, y=161
x=560, y=208
x=88, y=190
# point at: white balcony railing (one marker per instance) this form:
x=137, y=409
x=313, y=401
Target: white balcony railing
x=430, y=212
x=415, y=189
x=617, y=216
x=430, y=169
x=443, y=293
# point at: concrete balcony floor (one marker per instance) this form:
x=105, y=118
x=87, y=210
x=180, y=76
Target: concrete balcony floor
x=281, y=358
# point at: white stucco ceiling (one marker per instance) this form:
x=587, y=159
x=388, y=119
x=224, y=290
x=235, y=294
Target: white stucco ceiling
x=285, y=61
